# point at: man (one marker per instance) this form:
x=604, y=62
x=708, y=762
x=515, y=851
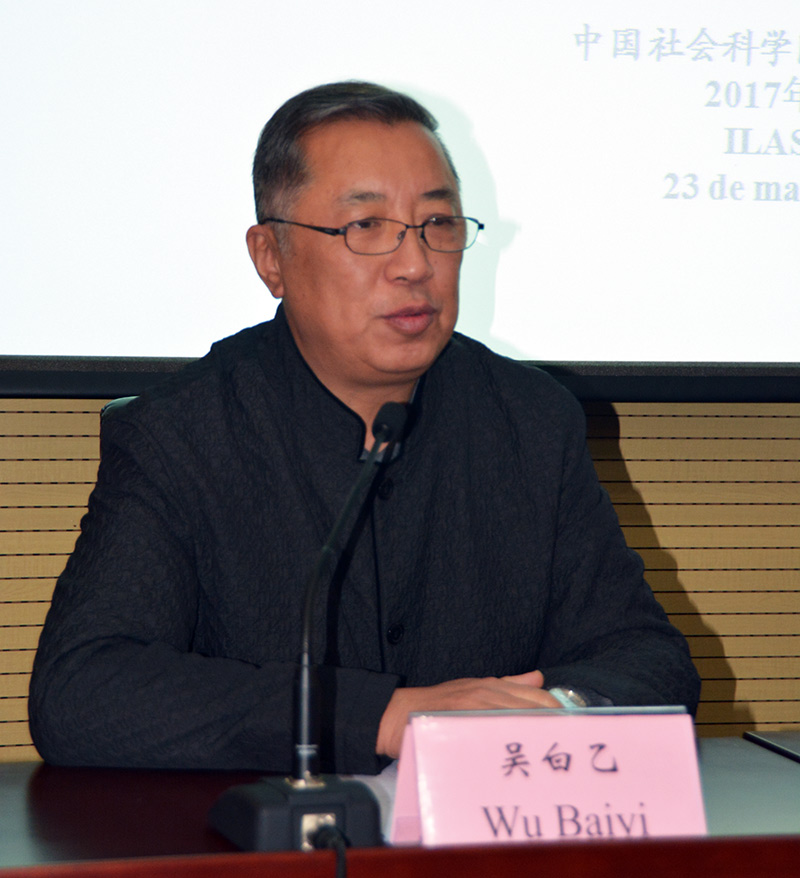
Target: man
x=486, y=567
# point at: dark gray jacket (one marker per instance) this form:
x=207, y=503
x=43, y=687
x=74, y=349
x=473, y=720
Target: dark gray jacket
x=487, y=548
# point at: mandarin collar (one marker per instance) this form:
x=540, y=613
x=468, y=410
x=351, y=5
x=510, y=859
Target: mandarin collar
x=314, y=412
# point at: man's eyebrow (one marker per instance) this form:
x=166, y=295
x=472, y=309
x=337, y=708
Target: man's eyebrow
x=446, y=193
x=358, y=196
x=367, y=196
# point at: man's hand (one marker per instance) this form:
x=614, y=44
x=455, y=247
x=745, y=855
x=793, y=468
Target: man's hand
x=523, y=691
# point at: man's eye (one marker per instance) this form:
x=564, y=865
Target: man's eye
x=366, y=225
x=442, y=221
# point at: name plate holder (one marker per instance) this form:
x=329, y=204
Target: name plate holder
x=546, y=775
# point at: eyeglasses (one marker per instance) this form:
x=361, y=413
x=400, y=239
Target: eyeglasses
x=375, y=236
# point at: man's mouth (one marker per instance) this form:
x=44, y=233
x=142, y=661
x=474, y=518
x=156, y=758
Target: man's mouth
x=413, y=319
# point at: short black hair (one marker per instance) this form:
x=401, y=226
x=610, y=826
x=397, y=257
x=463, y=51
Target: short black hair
x=279, y=165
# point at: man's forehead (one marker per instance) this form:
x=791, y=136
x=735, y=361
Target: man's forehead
x=364, y=155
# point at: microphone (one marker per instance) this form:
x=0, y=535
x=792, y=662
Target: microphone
x=387, y=427
x=298, y=812
x=389, y=422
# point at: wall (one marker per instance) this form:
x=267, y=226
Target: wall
x=709, y=494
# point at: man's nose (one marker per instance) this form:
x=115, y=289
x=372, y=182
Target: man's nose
x=411, y=260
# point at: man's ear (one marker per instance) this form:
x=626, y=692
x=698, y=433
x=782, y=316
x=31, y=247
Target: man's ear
x=266, y=255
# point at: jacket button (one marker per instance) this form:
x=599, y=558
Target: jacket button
x=385, y=489
x=395, y=634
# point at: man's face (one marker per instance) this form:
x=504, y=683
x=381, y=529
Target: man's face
x=366, y=323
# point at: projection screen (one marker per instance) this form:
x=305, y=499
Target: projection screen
x=637, y=166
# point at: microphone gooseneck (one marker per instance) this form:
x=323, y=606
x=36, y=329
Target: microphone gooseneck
x=387, y=427
x=296, y=812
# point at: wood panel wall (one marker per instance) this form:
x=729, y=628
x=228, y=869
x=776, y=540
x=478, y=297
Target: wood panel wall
x=708, y=494
x=48, y=464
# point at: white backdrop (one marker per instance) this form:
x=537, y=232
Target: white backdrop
x=595, y=138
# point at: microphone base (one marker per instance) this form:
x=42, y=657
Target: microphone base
x=275, y=815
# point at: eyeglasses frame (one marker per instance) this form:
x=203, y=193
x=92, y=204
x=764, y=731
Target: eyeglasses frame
x=327, y=230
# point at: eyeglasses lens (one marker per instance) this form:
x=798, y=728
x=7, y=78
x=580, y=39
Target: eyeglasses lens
x=445, y=234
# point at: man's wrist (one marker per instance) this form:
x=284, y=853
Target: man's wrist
x=580, y=697
x=567, y=697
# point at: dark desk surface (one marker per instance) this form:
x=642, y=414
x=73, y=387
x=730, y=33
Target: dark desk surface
x=50, y=815
x=748, y=790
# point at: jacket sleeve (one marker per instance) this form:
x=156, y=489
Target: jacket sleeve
x=116, y=680
x=606, y=633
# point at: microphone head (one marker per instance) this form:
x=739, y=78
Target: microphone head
x=389, y=423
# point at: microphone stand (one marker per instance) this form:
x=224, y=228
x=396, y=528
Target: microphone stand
x=299, y=812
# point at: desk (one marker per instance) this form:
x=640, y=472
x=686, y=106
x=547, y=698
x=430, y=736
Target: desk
x=749, y=790
x=50, y=815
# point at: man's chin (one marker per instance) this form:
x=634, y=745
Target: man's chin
x=412, y=361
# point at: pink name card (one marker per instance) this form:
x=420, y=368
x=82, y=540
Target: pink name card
x=514, y=776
